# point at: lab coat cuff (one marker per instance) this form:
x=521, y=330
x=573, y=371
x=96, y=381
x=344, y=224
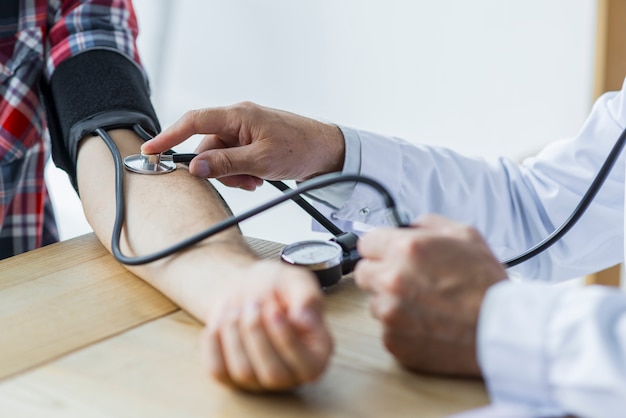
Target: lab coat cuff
x=382, y=160
x=512, y=344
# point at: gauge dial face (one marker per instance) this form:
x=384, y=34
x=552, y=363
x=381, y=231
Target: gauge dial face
x=310, y=253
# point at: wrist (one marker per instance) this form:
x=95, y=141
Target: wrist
x=198, y=278
x=337, y=144
x=326, y=151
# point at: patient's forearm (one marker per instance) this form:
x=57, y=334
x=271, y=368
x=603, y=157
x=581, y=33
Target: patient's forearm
x=162, y=210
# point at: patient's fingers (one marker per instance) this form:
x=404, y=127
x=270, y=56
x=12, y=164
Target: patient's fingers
x=271, y=371
x=306, y=361
x=211, y=353
x=238, y=365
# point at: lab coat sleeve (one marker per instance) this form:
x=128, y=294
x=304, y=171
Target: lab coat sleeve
x=555, y=349
x=513, y=205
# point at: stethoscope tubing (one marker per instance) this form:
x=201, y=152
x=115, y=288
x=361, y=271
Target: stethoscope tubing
x=319, y=182
x=578, y=212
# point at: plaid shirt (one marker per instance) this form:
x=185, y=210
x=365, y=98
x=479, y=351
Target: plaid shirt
x=35, y=37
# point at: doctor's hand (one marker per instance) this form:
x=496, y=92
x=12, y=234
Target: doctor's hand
x=245, y=143
x=426, y=286
x=271, y=335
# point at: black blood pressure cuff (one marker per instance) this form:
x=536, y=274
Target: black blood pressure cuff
x=95, y=89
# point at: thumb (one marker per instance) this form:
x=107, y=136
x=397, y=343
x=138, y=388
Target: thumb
x=224, y=162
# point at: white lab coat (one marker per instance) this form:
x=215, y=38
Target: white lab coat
x=554, y=349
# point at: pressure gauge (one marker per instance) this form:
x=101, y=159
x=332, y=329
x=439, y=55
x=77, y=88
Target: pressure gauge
x=321, y=257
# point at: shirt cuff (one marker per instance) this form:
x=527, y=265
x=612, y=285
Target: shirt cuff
x=512, y=344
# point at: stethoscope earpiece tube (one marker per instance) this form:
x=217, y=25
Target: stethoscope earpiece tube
x=578, y=212
x=309, y=208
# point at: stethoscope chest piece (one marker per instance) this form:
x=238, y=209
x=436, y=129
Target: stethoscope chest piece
x=149, y=164
x=323, y=258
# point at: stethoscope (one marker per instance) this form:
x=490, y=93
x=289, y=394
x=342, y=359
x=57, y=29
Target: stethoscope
x=328, y=260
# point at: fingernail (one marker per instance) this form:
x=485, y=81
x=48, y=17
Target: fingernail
x=201, y=168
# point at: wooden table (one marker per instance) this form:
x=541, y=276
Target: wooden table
x=82, y=337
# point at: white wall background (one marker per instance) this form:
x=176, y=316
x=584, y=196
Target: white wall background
x=486, y=77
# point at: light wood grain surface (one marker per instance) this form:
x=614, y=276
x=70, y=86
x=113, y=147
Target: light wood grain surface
x=82, y=337
x=609, y=73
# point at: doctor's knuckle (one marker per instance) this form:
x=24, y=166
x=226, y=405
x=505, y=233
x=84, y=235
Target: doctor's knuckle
x=389, y=315
x=191, y=118
x=360, y=274
x=414, y=248
x=470, y=233
x=386, y=308
x=245, y=107
x=393, y=283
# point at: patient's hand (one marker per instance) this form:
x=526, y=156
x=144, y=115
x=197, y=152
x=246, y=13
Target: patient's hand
x=269, y=335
